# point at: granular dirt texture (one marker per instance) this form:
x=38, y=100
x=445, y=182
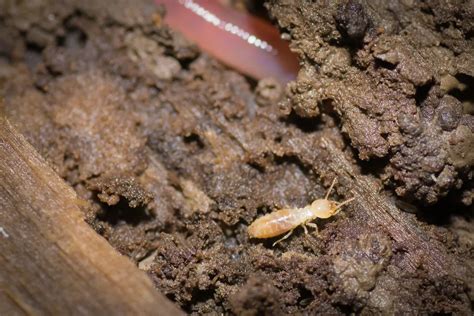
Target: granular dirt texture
x=176, y=155
x=400, y=76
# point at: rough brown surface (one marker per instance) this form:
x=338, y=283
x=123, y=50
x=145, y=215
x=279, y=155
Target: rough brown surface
x=400, y=77
x=178, y=154
x=48, y=253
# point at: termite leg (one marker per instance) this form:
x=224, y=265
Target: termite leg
x=305, y=229
x=283, y=238
x=330, y=188
x=339, y=205
x=313, y=225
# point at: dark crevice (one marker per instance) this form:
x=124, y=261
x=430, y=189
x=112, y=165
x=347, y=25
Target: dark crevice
x=73, y=39
x=442, y=213
x=194, y=140
x=33, y=55
x=199, y=296
x=278, y=138
x=259, y=167
x=305, y=296
x=469, y=35
x=383, y=64
x=114, y=214
x=305, y=124
x=467, y=92
x=422, y=93
x=375, y=166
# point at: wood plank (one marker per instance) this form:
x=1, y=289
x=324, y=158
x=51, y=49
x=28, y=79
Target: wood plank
x=51, y=261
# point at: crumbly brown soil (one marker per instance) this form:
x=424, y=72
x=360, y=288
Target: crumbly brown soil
x=177, y=154
x=400, y=76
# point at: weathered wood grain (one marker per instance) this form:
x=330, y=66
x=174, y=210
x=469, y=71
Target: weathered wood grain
x=51, y=261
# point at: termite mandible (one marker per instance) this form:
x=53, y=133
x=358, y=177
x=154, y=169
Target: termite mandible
x=286, y=220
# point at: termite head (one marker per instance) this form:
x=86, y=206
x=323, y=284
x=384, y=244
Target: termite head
x=323, y=208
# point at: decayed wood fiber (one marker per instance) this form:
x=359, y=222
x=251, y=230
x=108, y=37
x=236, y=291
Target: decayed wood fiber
x=51, y=261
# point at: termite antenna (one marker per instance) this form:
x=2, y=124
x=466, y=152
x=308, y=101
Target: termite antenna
x=330, y=188
x=339, y=205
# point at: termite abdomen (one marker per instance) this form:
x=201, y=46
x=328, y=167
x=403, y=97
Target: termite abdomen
x=272, y=224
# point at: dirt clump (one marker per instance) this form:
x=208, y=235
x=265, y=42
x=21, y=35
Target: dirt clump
x=395, y=73
x=177, y=155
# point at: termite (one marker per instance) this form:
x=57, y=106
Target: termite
x=286, y=220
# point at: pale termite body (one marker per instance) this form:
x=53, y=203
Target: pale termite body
x=286, y=220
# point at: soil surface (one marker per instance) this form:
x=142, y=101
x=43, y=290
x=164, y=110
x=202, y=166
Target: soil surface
x=400, y=76
x=177, y=154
